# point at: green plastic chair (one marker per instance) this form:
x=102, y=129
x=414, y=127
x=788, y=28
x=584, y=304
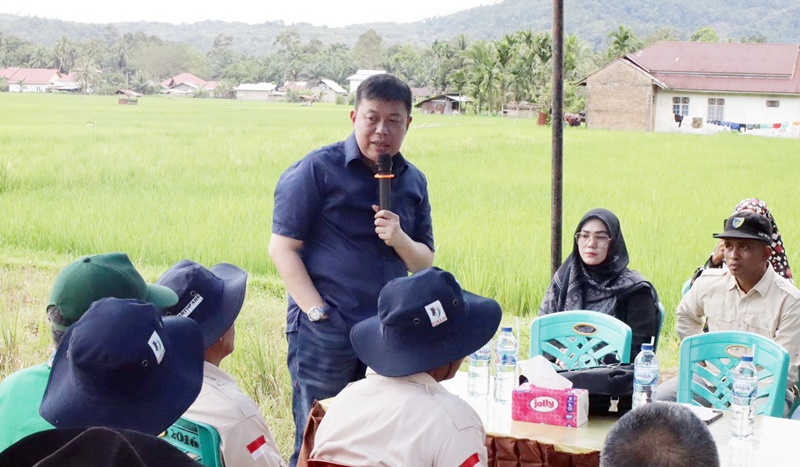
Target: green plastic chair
x=720, y=352
x=198, y=440
x=580, y=338
x=686, y=286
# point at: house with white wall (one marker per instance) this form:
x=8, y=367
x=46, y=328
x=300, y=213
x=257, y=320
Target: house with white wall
x=358, y=78
x=31, y=79
x=699, y=87
x=257, y=92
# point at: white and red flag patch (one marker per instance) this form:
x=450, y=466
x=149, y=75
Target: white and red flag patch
x=258, y=447
x=471, y=461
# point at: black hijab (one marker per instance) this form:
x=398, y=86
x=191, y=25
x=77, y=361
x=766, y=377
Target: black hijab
x=578, y=286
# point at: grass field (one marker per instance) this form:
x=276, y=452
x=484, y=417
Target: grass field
x=191, y=178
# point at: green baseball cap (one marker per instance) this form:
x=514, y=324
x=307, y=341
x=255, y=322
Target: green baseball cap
x=91, y=278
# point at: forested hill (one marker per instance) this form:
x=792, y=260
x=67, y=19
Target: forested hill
x=591, y=20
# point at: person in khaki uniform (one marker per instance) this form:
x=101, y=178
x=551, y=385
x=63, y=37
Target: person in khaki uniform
x=400, y=414
x=747, y=296
x=214, y=298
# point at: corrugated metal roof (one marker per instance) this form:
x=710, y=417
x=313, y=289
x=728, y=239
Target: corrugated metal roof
x=255, y=87
x=334, y=85
x=723, y=67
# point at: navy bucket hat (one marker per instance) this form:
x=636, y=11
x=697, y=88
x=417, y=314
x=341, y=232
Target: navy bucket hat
x=424, y=321
x=124, y=366
x=212, y=297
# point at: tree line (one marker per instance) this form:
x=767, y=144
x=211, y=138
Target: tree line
x=514, y=68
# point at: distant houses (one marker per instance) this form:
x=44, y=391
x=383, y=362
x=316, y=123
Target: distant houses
x=38, y=80
x=321, y=90
x=358, y=78
x=444, y=104
x=699, y=87
x=187, y=83
x=258, y=92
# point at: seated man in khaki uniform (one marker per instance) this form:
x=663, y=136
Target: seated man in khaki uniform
x=748, y=295
x=214, y=298
x=400, y=414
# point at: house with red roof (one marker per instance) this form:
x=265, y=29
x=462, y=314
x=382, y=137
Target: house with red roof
x=32, y=79
x=187, y=83
x=699, y=87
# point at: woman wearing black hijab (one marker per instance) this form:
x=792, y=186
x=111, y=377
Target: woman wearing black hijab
x=596, y=277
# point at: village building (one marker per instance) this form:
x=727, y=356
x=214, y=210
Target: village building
x=358, y=78
x=258, y=92
x=38, y=80
x=187, y=83
x=321, y=90
x=699, y=87
x=444, y=104
x=421, y=93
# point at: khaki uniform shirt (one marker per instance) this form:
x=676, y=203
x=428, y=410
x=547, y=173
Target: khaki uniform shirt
x=405, y=421
x=246, y=440
x=771, y=308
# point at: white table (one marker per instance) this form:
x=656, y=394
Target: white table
x=776, y=441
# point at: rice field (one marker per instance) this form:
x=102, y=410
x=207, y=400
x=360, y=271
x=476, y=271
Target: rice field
x=193, y=178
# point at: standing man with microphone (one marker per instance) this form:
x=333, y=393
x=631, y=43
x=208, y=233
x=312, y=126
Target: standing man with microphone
x=335, y=247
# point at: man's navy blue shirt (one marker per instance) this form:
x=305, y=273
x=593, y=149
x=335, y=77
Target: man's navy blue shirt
x=325, y=200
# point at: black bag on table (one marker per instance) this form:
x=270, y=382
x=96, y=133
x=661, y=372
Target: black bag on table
x=610, y=387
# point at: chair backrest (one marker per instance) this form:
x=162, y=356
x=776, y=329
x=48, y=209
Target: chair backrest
x=580, y=338
x=686, y=286
x=713, y=357
x=198, y=440
x=662, y=314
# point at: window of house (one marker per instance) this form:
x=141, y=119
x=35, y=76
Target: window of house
x=773, y=103
x=716, y=109
x=680, y=105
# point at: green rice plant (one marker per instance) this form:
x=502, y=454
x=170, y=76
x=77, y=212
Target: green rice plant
x=193, y=178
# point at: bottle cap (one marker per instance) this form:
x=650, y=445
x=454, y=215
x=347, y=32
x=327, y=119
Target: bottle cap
x=647, y=346
x=747, y=358
x=505, y=329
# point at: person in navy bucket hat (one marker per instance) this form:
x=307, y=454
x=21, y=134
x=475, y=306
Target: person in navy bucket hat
x=124, y=366
x=214, y=297
x=400, y=414
x=424, y=321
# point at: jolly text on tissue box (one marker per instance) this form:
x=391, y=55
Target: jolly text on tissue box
x=548, y=397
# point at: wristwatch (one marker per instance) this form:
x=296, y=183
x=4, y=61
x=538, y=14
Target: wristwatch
x=316, y=314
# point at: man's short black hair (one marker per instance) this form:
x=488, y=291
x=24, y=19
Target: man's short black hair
x=384, y=87
x=661, y=434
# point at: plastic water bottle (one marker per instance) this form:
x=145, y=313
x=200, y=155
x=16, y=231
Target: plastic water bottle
x=505, y=366
x=743, y=406
x=478, y=375
x=645, y=376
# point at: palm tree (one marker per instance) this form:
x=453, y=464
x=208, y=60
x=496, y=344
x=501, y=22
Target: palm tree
x=506, y=51
x=480, y=57
x=66, y=54
x=623, y=42
x=87, y=75
x=41, y=57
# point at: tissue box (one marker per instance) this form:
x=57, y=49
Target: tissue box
x=563, y=407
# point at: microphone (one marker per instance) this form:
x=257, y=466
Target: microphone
x=385, y=177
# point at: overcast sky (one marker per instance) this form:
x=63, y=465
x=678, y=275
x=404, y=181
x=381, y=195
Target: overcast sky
x=317, y=12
